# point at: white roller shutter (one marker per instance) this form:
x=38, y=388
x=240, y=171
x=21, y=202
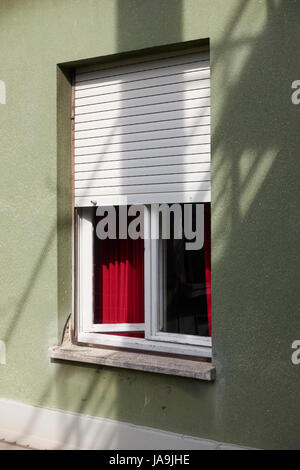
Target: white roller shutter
x=142, y=131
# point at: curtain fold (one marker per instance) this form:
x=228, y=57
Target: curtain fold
x=119, y=281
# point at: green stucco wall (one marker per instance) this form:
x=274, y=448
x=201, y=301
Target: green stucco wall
x=255, y=209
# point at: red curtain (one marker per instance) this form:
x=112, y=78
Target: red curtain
x=119, y=278
x=207, y=256
x=119, y=281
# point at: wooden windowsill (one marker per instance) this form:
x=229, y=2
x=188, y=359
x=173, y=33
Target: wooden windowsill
x=196, y=369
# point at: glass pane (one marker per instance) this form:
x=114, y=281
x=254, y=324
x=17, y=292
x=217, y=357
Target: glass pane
x=186, y=283
x=118, y=278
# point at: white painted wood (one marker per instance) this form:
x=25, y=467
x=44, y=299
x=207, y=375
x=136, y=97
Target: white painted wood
x=44, y=428
x=158, y=294
x=99, y=172
x=157, y=303
x=85, y=313
x=165, y=179
x=142, y=164
x=149, y=136
x=142, y=136
x=143, y=67
x=149, y=64
x=115, y=118
x=85, y=270
x=143, y=191
x=120, y=93
x=105, y=86
x=120, y=147
x=181, y=338
x=88, y=331
x=187, y=150
x=139, y=166
x=148, y=102
x=117, y=327
x=145, y=345
x=199, y=122
x=147, y=269
x=156, y=286
x=136, y=109
x=136, y=112
x=179, y=194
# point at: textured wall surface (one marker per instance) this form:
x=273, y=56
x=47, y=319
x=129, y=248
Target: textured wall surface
x=255, y=210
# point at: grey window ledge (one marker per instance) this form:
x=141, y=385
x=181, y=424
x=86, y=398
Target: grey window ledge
x=196, y=369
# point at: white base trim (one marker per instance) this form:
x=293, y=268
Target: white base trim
x=43, y=428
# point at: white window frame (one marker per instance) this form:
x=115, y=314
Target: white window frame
x=155, y=340
x=158, y=262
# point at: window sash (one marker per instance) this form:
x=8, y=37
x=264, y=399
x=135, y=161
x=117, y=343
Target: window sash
x=117, y=327
x=155, y=340
x=143, y=344
x=158, y=291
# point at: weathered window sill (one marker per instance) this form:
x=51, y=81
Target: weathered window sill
x=195, y=369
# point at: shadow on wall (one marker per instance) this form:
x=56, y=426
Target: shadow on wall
x=256, y=228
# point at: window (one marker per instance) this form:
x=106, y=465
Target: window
x=142, y=204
